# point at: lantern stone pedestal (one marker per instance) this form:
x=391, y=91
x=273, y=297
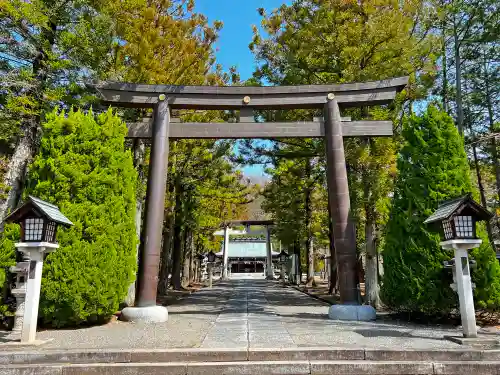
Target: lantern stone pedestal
x=19, y=292
x=35, y=251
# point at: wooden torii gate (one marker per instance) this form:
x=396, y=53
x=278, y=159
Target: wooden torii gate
x=330, y=98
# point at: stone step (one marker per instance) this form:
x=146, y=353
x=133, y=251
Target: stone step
x=261, y=368
x=41, y=356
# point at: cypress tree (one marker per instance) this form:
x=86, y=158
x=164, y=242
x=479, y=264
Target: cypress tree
x=83, y=167
x=432, y=167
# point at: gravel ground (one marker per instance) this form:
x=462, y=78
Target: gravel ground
x=251, y=313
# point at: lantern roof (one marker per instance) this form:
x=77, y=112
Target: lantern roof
x=41, y=208
x=456, y=206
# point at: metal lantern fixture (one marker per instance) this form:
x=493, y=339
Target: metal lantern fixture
x=39, y=220
x=283, y=256
x=457, y=218
x=211, y=257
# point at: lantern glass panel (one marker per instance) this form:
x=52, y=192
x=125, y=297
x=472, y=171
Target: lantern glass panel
x=463, y=226
x=448, y=231
x=51, y=231
x=33, y=229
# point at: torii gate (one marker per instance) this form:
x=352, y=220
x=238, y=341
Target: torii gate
x=162, y=98
x=226, y=231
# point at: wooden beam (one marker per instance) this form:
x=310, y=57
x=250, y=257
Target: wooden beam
x=231, y=97
x=210, y=101
x=398, y=82
x=264, y=130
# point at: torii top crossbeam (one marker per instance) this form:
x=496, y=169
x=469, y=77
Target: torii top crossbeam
x=248, y=99
x=233, y=97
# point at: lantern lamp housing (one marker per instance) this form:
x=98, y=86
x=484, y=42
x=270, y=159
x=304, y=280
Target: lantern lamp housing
x=39, y=220
x=456, y=219
x=211, y=257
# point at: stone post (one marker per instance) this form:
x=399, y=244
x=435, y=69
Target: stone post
x=269, y=256
x=210, y=275
x=283, y=273
x=225, y=254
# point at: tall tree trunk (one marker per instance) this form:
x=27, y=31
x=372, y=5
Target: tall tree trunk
x=188, y=248
x=332, y=288
x=444, y=92
x=166, y=255
x=458, y=80
x=177, y=244
x=371, y=276
x=491, y=121
x=13, y=180
x=192, y=269
x=139, y=149
x=16, y=172
x=481, y=191
x=308, y=220
x=298, y=263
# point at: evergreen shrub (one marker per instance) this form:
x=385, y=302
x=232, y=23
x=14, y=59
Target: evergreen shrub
x=84, y=168
x=432, y=167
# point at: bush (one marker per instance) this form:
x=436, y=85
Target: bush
x=7, y=259
x=432, y=167
x=83, y=167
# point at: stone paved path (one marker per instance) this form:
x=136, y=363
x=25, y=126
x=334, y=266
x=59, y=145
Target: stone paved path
x=251, y=314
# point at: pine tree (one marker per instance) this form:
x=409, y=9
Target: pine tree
x=47, y=49
x=432, y=167
x=84, y=168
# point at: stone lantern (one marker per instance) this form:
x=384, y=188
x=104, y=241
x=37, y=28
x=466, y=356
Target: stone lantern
x=20, y=270
x=283, y=257
x=39, y=221
x=456, y=221
x=211, y=260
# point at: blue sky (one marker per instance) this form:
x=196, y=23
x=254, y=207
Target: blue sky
x=238, y=17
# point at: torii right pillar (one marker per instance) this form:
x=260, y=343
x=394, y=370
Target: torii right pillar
x=343, y=226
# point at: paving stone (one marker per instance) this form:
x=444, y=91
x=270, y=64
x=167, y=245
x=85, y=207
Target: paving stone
x=236, y=307
x=31, y=370
x=128, y=369
x=369, y=367
x=467, y=368
x=189, y=355
x=422, y=355
x=250, y=368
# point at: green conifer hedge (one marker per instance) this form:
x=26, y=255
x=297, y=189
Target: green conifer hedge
x=432, y=167
x=83, y=167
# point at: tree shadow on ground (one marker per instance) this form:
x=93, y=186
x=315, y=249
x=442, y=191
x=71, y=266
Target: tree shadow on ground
x=374, y=333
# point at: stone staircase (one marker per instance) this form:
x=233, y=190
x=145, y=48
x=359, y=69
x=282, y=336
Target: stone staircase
x=296, y=361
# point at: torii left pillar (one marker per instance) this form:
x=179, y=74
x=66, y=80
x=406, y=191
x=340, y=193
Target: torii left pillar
x=340, y=216
x=146, y=310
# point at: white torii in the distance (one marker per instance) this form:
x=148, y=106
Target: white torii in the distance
x=227, y=230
